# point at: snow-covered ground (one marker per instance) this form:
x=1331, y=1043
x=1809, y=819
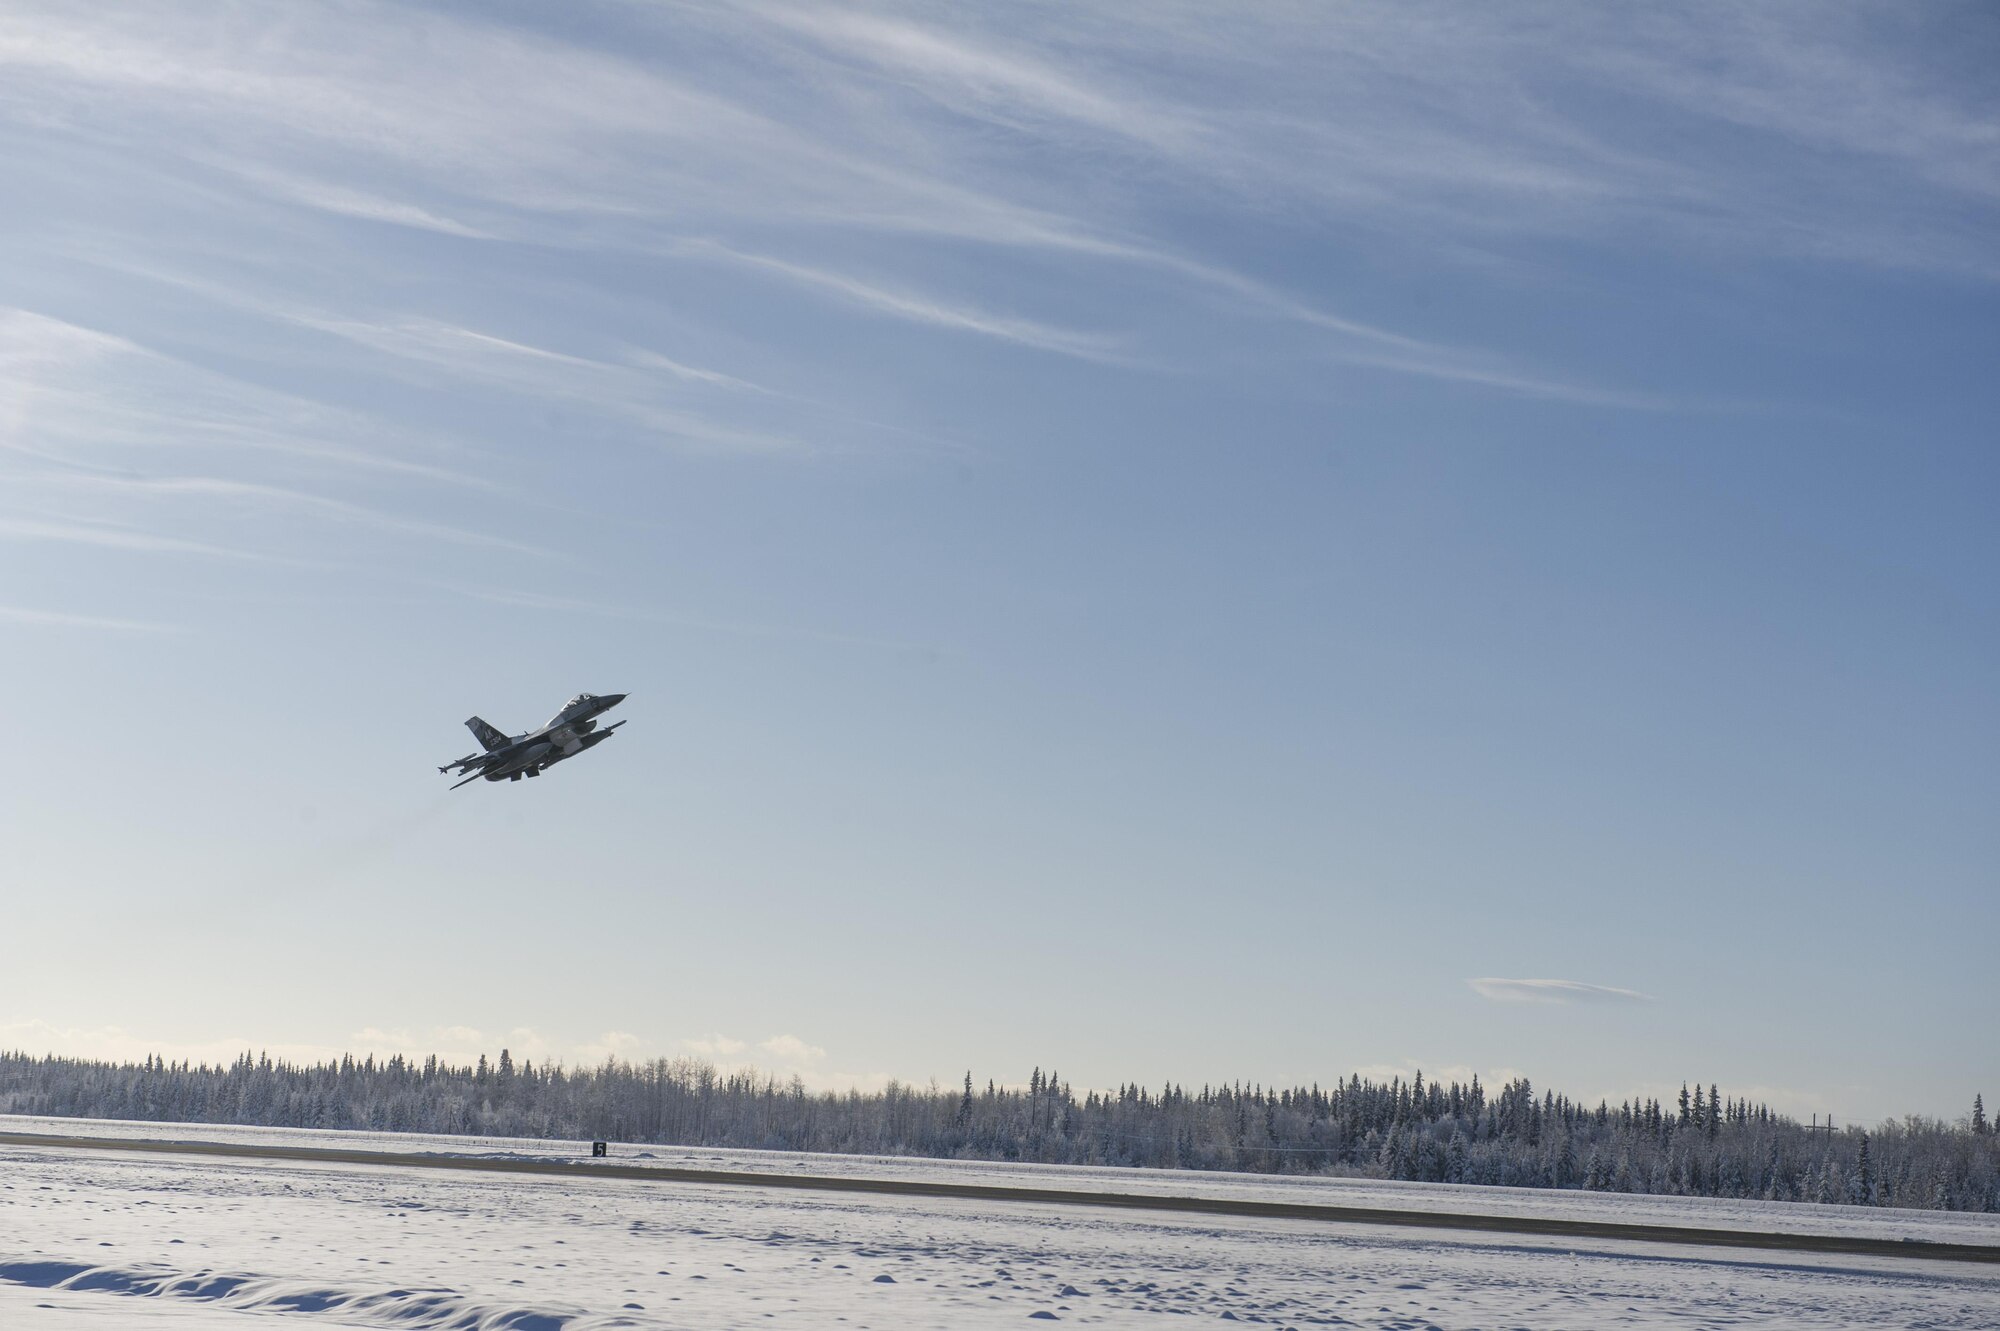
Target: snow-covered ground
x=93, y=1240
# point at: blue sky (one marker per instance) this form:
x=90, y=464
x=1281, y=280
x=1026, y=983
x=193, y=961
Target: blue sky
x=1154, y=546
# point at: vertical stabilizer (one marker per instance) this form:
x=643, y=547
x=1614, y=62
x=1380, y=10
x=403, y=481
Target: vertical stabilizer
x=487, y=735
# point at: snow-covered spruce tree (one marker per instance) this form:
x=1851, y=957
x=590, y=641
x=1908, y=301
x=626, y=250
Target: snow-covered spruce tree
x=1455, y=1159
x=1457, y=1133
x=1563, y=1166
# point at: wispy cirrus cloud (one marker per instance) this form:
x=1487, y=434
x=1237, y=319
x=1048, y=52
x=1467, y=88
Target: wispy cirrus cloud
x=530, y=600
x=112, y=538
x=95, y=400
x=992, y=79
x=1441, y=364
x=66, y=619
x=925, y=309
x=109, y=443
x=1422, y=129
x=1477, y=126
x=1553, y=991
x=632, y=389
x=345, y=201
x=255, y=497
x=642, y=614
x=636, y=383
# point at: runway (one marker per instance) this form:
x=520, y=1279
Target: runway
x=666, y=1175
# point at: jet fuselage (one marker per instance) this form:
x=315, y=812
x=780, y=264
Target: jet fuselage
x=510, y=757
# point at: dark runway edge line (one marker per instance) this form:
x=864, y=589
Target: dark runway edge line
x=1846, y=1245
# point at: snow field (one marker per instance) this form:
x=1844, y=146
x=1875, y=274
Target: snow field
x=90, y=1240
x=1699, y=1212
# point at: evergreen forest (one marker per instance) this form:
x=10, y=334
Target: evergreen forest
x=1703, y=1143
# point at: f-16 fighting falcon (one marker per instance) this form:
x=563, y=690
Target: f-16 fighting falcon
x=511, y=757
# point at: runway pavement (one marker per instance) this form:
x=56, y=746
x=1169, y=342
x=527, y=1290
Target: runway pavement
x=1848, y=1245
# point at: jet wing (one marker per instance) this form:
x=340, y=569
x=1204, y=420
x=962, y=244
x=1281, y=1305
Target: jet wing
x=500, y=752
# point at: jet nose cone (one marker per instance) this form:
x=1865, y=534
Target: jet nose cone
x=612, y=699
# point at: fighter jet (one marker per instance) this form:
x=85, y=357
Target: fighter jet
x=511, y=757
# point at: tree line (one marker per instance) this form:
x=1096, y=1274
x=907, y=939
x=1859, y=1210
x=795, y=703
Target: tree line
x=1702, y=1144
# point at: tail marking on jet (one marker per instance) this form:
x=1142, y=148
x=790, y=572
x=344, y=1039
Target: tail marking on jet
x=486, y=735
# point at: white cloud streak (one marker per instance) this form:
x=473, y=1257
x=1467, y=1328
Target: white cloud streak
x=1453, y=368
x=81, y=396
x=88, y=419
x=879, y=123
x=64, y=619
x=112, y=538
x=924, y=309
x=1531, y=120
x=1553, y=991
x=1034, y=183
x=529, y=600
x=1390, y=114
x=258, y=497
x=632, y=391
x=346, y=201
x=988, y=80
